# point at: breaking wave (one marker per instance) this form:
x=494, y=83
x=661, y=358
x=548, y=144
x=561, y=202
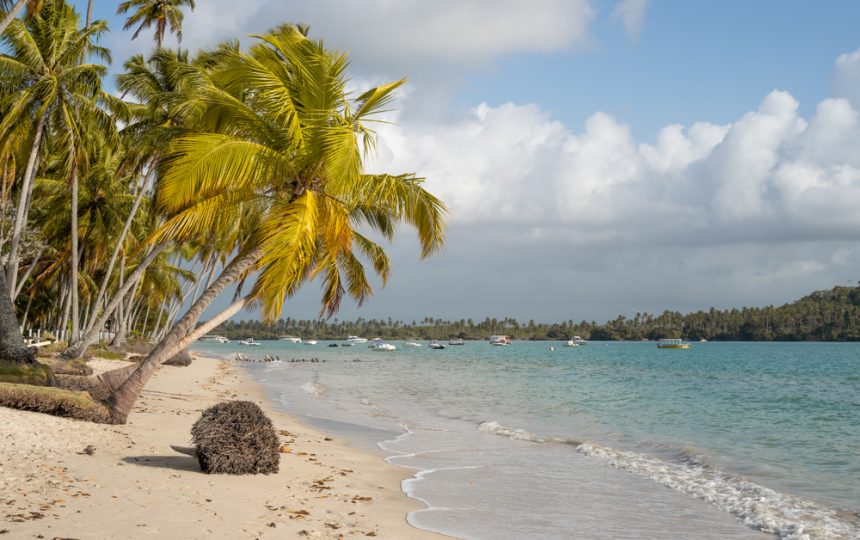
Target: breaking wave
x=787, y=516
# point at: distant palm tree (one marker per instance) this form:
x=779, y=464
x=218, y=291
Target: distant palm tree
x=161, y=13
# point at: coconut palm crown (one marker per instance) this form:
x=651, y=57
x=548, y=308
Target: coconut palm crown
x=160, y=13
x=287, y=140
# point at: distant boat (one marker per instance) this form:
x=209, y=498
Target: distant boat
x=500, y=341
x=455, y=341
x=355, y=340
x=579, y=341
x=215, y=338
x=411, y=344
x=672, y=344
x=291, y=339
x=384, y=347
x=703, y=340
x=249, y=341
x=571, y=343
x=310, y=342
x=436, y=345
x=333, y=345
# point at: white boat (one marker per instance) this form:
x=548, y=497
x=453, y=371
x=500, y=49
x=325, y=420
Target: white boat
x=215, y=338
x=436, y=345
x=355, y=340
x=411, y=344
x=249, y=341
x=310, y=342
x=291, y=339
x=500, y=341
x=579, y=341
x=384, y=347
x=455, y=341
x=571, y=343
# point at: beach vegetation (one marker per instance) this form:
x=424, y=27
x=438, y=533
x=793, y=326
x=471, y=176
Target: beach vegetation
x=227, y=168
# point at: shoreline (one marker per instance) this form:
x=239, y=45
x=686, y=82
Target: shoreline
x=134, y=486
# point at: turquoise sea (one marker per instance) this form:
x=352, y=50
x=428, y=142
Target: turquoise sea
x=607, y=440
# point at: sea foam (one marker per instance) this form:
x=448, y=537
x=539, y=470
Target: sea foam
x=787, y=516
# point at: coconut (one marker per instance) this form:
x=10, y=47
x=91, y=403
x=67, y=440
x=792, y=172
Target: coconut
x=236, y=437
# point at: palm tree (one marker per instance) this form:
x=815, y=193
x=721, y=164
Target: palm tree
x=11, y=10
x=161, y=13
x=50, y=87
x=285, y=144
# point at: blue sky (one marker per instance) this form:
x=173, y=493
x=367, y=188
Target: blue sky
x=694, y=60
x=699, y=154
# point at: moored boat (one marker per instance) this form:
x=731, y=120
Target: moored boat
x=500, y=341
x=249, y=341
x=355, y=340
x=291, y=339
x=436, y=345
x=455, y=341
x=672, y=344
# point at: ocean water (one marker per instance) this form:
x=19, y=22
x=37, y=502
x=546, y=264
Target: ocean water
x=607, y=440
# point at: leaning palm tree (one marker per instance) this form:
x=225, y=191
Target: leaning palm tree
x=161, y=13
x=286, y=144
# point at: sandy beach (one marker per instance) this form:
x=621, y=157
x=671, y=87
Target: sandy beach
x=63, y=478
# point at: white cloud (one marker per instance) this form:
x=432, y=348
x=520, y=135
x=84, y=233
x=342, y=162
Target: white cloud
x=385, y=37
x=770, y=176
x=846, y=79
x=631, y=14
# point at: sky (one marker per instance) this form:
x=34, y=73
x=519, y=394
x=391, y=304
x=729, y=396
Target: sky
x=599, y=158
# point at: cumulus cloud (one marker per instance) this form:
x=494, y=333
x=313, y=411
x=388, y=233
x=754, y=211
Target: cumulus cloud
x=771, y=174
x=630, y=13
x=760, y=209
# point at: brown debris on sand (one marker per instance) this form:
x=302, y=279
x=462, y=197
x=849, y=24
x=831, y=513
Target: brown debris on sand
x=182, y=359
x=236, y=437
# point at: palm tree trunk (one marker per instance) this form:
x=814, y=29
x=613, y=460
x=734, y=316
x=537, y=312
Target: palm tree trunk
x=23, y=203
x=123, y=398
x=18, y=361
x=181, y=335
x=29, y=271
x=11, y=14
x=78, y=349
x=128, y=222
x=76, y=327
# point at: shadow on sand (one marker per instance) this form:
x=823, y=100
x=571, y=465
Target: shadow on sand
x=178, y=463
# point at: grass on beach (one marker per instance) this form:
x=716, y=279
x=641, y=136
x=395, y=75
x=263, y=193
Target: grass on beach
x=55, y=401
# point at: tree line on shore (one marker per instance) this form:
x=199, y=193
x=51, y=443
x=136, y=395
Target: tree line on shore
x=831, y=315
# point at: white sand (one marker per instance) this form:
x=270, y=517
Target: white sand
x=135, y=486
